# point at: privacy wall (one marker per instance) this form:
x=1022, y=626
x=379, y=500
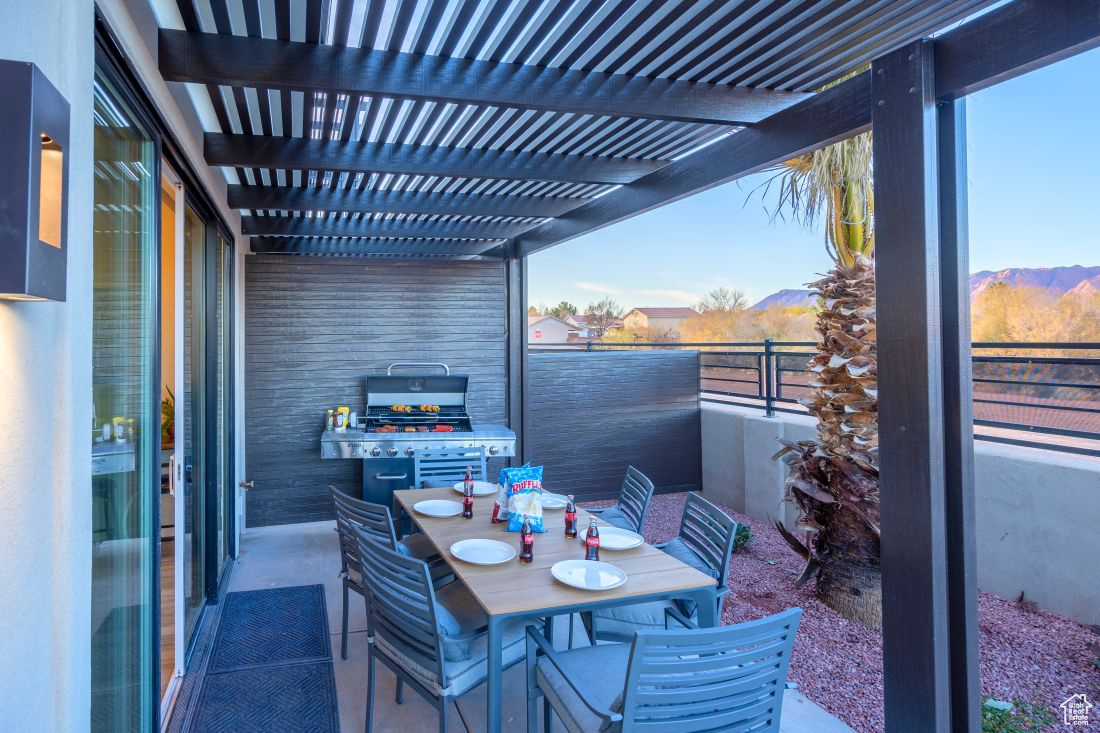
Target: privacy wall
x=592, y=414
x=315, y=327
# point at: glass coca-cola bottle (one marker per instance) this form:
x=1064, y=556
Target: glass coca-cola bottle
x=570, y=518
x=592, y=541
x=526, y=542
x=468, y=496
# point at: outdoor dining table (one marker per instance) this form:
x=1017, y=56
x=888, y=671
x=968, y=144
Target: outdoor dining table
x=513, y=590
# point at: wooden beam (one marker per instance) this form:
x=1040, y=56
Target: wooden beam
x=1019, y=37
x=257, y=151
x=515, y=287
x=912, y=468
x=825, y=118
x=302, y=198
x=209, y=58
x=301, y=226
x=382, y=247
x=958, y=432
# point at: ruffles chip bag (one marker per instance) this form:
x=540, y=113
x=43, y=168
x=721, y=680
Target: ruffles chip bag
x=523, y=489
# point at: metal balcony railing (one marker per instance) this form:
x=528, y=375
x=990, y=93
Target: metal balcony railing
x=1042, y=389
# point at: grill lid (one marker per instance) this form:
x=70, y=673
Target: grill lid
x=405, y=389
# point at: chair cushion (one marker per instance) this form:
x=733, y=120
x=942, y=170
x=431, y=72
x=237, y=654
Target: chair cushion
x=614, y=515
x=623, y=621
x=684, y=554
x=435, y=483
x=459, y=675
x=600, y=671
x=457, y=613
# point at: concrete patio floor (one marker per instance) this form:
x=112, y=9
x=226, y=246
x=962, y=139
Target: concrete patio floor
x=300, y=554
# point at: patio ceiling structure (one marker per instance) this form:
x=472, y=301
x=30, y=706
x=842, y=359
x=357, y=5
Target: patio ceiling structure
x=495, y=129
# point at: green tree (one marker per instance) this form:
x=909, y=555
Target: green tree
x=563, y=310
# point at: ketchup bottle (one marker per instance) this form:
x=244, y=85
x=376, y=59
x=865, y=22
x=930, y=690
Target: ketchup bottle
x=570, y=518
x=468, y=496
x=592, y=542
x=526, y=542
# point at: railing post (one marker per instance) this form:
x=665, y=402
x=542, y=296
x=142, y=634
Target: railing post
x=769, y=373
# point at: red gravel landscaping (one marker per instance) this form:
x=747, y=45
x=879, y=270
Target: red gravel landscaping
x=1036, y=656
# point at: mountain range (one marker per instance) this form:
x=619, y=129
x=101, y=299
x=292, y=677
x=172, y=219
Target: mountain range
x=1055, y=280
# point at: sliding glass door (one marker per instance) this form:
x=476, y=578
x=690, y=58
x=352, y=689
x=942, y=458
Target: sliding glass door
x=125, y=436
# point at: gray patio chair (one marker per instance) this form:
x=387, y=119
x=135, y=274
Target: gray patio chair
x=375, y=520
x=442, y=467
x=629, y=512
x=730, y=679
x=705, y=542
x=434, y=641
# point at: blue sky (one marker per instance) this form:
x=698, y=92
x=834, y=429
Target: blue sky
x=1034, y=194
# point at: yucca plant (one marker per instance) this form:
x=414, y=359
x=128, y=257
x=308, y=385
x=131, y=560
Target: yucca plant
x=833, y=480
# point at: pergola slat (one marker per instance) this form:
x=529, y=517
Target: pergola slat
x=302, y=198
x=383, y=246
x=333, y=227
x=337, y=155
x=832, y=115
x=240, y=61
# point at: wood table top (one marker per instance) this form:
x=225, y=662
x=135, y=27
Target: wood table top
x=513, y=587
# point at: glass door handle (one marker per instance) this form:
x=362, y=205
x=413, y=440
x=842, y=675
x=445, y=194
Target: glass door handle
x=172, y=465
x=246, y=485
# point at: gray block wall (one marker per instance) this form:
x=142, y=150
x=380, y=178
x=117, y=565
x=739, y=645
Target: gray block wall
x=315, y=327
x=594, y=413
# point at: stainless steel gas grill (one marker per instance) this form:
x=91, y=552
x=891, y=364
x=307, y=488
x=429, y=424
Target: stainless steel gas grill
x=406, y=413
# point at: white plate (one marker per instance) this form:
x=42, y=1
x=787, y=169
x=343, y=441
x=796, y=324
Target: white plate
x=588, y=574
x=438, y=508
x=483, y=552
x=553, y=501
x=481, y=488
x=613, y=538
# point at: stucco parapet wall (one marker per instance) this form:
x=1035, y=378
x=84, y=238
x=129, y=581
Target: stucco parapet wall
x=1036, y=511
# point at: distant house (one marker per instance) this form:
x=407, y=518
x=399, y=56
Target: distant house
x=658, y=320
x=548, y=330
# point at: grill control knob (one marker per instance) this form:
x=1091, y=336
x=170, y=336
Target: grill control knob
x=410, y=452
x=376, y=451
x=493, y=450
x=391, y=451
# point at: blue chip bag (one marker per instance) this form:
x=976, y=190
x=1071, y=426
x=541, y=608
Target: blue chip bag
x=523, y=489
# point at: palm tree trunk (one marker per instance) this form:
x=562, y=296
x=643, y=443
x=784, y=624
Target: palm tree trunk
x=833, y=480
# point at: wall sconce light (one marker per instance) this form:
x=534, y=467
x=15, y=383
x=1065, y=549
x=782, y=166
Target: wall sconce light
x=34, y=184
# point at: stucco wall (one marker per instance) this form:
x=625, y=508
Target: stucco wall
x=45, y=416
x=1037, y=511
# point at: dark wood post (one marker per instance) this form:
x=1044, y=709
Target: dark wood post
x=912, y=421
x=958, y=432
x=515, y=279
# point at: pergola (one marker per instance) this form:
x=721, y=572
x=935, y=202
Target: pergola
x=493, y=128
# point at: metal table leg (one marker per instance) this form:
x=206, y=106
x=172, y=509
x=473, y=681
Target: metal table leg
x=706, y=600
x=494, y=682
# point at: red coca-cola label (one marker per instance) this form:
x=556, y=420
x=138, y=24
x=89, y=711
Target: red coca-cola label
x=592, y=541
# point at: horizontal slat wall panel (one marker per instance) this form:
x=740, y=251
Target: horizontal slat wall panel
x=315, y=327
x=592, y=414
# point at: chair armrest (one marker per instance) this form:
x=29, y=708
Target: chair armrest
x=535, y=635
x=673, y=613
